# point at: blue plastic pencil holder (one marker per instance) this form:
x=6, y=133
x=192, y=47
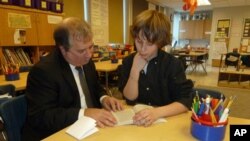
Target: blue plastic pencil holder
x=12, y=77
x=208, y=131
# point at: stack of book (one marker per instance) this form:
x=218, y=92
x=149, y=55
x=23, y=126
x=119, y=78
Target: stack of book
x=16, y=56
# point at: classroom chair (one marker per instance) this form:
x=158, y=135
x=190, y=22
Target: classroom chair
x=14, y=113
x=232, y=59
x=8, y=88
x=7, y=91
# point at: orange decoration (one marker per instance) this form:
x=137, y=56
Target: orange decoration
x=190, y=5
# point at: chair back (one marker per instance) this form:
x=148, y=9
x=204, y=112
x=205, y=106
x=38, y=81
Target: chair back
x=7, y=91
x=8, y=88
x=204, y=92
x=232, y=59
x=14, y=113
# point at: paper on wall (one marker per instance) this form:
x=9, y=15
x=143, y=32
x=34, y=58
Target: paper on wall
x=244, y=42
x=218, y=49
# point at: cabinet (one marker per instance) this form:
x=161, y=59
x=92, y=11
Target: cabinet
x=45, y=29
x=10, y=28
x=27, y=29
x=195, y=29
x=207, y=28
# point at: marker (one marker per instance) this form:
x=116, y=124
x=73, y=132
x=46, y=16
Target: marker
x=201, y=110
x=214, y=103
x=196, y=107
x=197, y=96
x=224, y=115
x=207, y=100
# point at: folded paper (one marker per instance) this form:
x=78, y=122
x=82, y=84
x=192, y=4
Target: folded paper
x=82, y=128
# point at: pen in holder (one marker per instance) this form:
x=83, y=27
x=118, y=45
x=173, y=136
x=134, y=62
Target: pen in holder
x=11, y=72
x=209, y=117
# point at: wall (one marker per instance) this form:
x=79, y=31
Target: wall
x=236, y=14
x=139, y=6
x=73, y=9
x=115, y=21
x=76, y=9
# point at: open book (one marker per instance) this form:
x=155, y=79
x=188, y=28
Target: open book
x=125, y=116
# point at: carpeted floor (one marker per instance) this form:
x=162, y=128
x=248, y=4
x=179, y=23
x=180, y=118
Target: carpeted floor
x=241, y=105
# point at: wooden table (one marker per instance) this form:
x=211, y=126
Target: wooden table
x=194, y=59
x=176, y=128
x=19, y=84
x=107, y=66
x=103, y=66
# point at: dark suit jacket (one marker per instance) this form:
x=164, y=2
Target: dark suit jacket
x=53, y=97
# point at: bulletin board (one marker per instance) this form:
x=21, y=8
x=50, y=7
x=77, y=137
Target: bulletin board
x=223, y=28
x=245, y=40
x=246, y=28
x=221, y=40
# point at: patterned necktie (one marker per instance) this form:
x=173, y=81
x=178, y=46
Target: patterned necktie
x=84, y=86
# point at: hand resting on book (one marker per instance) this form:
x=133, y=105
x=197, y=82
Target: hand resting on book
x=128, y=116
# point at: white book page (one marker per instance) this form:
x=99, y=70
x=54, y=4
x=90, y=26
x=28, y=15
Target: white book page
x=124, y=117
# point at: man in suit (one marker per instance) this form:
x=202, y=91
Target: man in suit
x=55, y=96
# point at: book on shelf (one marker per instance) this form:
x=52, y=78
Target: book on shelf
x=125, y=116
x=16, y=56
x=8, y=55
x=20, y=57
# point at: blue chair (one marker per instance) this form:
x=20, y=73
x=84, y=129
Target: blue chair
x=14, y=113
x=7, y=89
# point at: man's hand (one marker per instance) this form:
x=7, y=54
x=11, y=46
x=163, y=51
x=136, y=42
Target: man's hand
x=103, y=117
x=112, y=104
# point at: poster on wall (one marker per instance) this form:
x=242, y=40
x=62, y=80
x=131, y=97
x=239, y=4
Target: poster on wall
x=99, y=21
x=223, y=28
x=246, y=28
x=245, y=45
